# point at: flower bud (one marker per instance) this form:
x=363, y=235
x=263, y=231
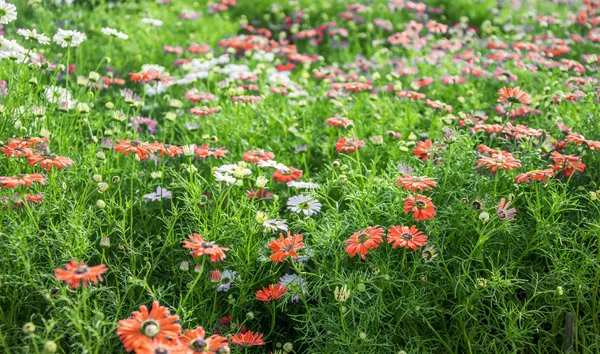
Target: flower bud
x=29, y=328
x=50, y=347
x=100, y=204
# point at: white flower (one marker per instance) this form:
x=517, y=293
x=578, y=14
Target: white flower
x=7, y=45
x=223, y=177
x=273, y=163
x=13, y=55
x=8, y=12
x=302, y=185
x=68, y=38
x=152, y=21
x=188, y=150
x=114, y=33
x=56, y=94
x=32, y=35
x=304, y=204
x=228, y=169
x=275, y=225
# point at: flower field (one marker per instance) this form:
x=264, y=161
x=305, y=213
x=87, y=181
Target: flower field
x=297, y=176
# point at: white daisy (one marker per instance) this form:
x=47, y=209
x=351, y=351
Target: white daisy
x=273, y=163
x=13, y=55
x=274, y=225
x=302, y=185
x=7, y=45
x=8, y=12
x=223, y=177
x=303, y=204
x=114, y=33
x=55, y=94
x=68, y=38
x=32, y=35
x=152, y=21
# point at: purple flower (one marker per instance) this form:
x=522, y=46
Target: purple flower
x=161, y=193
x=227, y=277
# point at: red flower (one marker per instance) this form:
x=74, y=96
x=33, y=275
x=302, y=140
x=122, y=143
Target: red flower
x=402, y=236
x=258, y=155
x=348, y=145
x=415, y=183
x=201, y=247
x=422, y=208
x=22, y=180
x=140, y=148
x=259, y=194
x=78, y=273
x=424, y=149
x=248, y=339
x=159, y=346
x=538, y=175
x=338, y=121
x=514, y=95
x=271, y=292
x=170, y=150
x=285, y=247
x=144, y=326
x=287, y=176
x=362, y=241
x=503, y=160
x=194, y=341
x=205, y=151
x=567, y=163
x=47, y=161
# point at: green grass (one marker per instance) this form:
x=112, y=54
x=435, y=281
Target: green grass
x=496, y=286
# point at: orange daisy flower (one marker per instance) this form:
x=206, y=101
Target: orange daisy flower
x=285, y=247
x=424, y=149
x=338, y=121
x=575, y=138
x=537, y=175
x=287, y=176
x=201, y=247
x=402, y=236
x=194, y=342
x=514, y=95
x=159, y=346
x=247, y=339
x=271, y=292
x=421, y=207
x=567, y=163
x=77, y=273
x=170, y=150
x=348, y=145
x=258, y=155
x=362, y=241
x=144, y=326
x=504, y=160
x=205, y=151
x=47, y=161
x=415, y=183
x=22, y=180
x=18, y=147
x=141, y=148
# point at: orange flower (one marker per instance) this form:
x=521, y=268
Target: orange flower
x=503, y=160
x=348, y=145
x=18, y=147
x=514, y=95
x=215, y=275
x=424, y=149
x=247, y=339
x=362, y=241
x=159, y=346
x=258, y=155
x=201, y=247
x=194, y=341
x=22, y=180
x=415, y=183
x=575, y=138
x=567, y=163
x=422, y=208
x=142, y=327
x=537, y=175
x=47, y=161
x=402, y=236
x=205, y=151
x=170, y=150
x=285, y=247
x=271, y=292
x=287, y=176
x=141, y=148
x=78, y=273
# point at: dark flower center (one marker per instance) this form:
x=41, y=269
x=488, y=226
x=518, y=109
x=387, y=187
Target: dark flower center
x=207, y=245
x=134, y=143
x=199, y=344
x=161, y=351
x=363, y=237
x=513, y=99
x=2, y=12
x=81, y=270
x=225, y=280
x=407, y=236
x=150, y=328
x=421, y=204
x=476, y=205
